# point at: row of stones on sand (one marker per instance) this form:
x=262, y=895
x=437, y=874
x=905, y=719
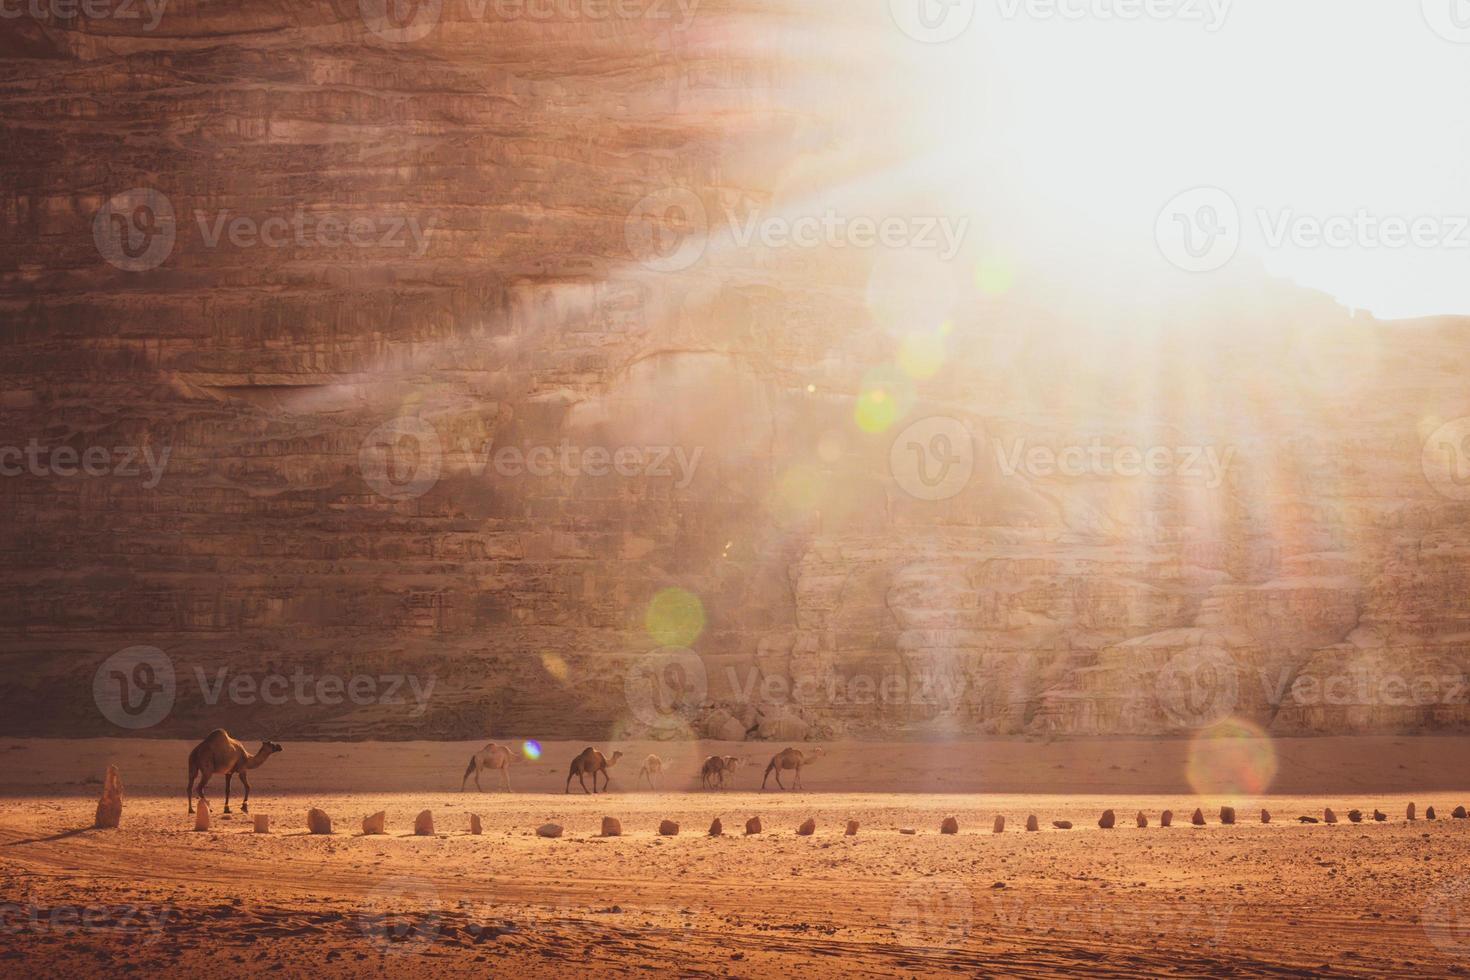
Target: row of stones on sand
x=109, y=814
x=318, y=822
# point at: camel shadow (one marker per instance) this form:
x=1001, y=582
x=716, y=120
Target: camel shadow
x=54, y=837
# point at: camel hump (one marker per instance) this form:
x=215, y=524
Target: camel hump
x=217, y=733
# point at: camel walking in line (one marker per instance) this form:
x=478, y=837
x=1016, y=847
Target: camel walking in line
x=712, y=774
x=220, y=754
x=652, y=766
x=589, y=760
x=493, y=757
x=790, y=759
x=732, y=763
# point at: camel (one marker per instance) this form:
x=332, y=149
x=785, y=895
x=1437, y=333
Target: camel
x=652, y=766
x=491, y=757
x=790, y=759
x=219, y=753
x=593, y=761
x=716, y=768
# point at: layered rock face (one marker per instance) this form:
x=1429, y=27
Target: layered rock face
x=417, y=358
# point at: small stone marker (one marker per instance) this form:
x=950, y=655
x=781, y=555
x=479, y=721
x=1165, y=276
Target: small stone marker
x=549, y=830
x=1306, y=819
x=201, y=816
x=1062, y=824
x=949, y=825
x=613, y=827
x=375, y=824
x=1328, y=816
x=752, y=826
x=1429, y=814
x=1107, y=820
x=667, y=828
x=717, y=829
x=1227, y=815
x=1379, y=816
x=1141, y=819
x=1355, y=816
x=109, y=807
x=1265, y=816
x=476, y=827
x=1032, y=823
x=907, y=831
x=423, y=824
x=852, y=828
x=1166, y=818
x=318, y=822
x=807, y=828
x=1409, y=813
x=999, y=827
x=1459, y=813
x=1199, y=817
x=262, y=823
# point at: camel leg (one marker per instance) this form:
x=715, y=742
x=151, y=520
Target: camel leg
x=505, y=777
x=584, y=782
x=796, y=780
x=189, y=789
x=245, y=781
x=606, y=779
x=778, y=779
x=203, y=781
x=570, y=773
x=228, y=776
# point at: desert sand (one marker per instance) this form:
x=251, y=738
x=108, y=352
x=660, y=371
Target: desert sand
x=1281, y=899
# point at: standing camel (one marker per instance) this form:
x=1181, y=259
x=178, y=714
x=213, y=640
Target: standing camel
x=652, y=766
x=790, y=759
x=491, y=757
x=589, y=760
x=716, y=768
x=219, y=753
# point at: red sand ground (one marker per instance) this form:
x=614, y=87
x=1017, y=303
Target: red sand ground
x=1277, y=900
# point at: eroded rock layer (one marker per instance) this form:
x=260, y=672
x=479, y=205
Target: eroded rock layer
x=425, y=387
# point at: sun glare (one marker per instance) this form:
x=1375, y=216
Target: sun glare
x=1067, y=137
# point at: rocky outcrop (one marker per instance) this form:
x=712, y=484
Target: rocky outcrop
x=309, y=481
